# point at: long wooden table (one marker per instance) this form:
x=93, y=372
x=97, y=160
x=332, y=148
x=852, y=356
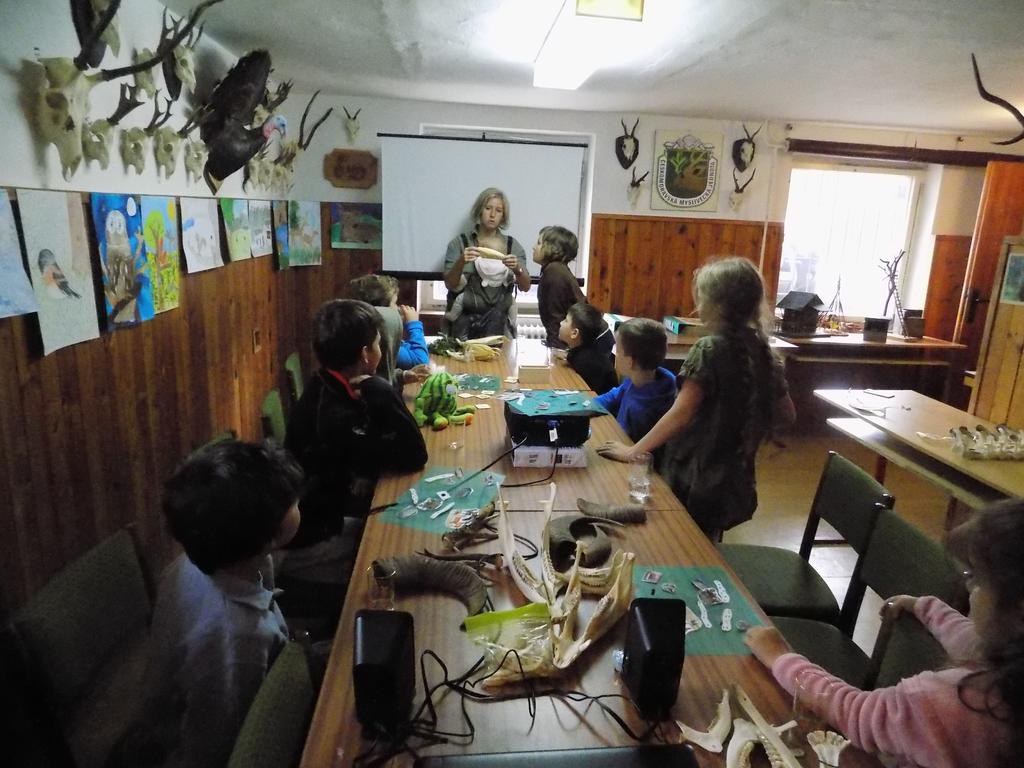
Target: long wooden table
x=669, y=537
x=901, y=425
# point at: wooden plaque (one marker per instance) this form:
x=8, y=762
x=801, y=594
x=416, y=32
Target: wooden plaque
x=355, y=168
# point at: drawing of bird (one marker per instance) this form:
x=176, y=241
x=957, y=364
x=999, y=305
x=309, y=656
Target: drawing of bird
x=56, y=282
x=227, y=128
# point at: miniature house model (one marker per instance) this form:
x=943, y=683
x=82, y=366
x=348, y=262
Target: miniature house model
x=800, y=311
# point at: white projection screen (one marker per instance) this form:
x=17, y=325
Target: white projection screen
x=429, y=184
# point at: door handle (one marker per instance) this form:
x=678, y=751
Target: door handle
x=973, y=300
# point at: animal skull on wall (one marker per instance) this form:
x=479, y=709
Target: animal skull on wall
x=743, y=149
x=178, y=68
x=352, y=124
x=195, y=159
x=633, y=190
x=133, y=149
x=144, y=79
x=62, y=103
x=166, y=143
x=626, y=146
x=97, y=135
x=736, y=196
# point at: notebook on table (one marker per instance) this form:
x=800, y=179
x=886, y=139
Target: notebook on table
x=639, y=756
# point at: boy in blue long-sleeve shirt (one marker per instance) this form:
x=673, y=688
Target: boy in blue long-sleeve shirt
x=409, y=364
x=647, y=390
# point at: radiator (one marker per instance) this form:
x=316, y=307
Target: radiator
x=530, y=327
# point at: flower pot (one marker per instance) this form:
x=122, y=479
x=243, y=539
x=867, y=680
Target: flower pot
x=876, y=329
x=913, y=323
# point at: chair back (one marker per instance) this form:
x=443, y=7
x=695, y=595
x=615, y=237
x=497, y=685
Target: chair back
x=901, y=559
x=275, y=728
x=274, y=425
x=293, y=367
x=74, y=623
x=848, y=499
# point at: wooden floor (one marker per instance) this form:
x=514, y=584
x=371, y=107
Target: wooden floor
x=787, y=478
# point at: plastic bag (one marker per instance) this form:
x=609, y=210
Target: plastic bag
x=526, y=630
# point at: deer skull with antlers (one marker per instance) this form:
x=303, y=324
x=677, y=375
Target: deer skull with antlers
x=96, y=136
x=626, y=146
x=736, y=196
x=284, y=167
x=178, y=67
x=352, y=124
x=633, y=190
x=63, y=101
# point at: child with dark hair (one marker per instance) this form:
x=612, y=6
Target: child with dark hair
x=580, y=330
x=647, y=390
x=216, y=627
x=558, y=288
x=348, y=427
x=410, y=362
x=970, y=713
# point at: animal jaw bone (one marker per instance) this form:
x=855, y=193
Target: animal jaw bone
x=827, y=745
x=778, y=753
x=713, y=738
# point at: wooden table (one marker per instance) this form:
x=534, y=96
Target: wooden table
x=669, y=537
x=895, y=430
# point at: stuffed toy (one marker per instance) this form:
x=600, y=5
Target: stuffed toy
x=437, y=403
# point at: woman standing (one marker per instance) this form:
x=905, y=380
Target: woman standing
x=481, y=289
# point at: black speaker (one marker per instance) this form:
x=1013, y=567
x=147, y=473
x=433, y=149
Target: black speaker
x=652, y=661
x=383, y=667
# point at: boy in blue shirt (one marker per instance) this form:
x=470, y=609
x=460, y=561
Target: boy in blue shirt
x=410, y=363
x=647, y=390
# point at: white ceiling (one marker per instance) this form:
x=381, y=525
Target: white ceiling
x=899, y=63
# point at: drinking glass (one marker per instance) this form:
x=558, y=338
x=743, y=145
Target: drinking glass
x=640, y=477
x=380, y=588
x=809, y=708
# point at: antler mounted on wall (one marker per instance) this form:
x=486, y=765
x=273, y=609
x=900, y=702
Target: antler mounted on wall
x=992, y=98
x=633, y=190
x=626, y=146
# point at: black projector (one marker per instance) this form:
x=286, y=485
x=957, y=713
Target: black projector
x=564, y=430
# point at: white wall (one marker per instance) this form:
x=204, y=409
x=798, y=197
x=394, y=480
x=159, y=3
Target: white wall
x=46, y=24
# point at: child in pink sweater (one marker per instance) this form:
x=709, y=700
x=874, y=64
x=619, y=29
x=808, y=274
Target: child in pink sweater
x=969, y=715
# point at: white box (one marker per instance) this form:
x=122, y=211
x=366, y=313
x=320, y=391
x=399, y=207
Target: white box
x=542, y=456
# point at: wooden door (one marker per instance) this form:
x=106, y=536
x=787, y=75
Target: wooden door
x=999, y=389
x=1000, y=214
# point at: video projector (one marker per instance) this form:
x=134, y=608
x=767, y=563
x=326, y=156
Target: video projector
x=547, y=437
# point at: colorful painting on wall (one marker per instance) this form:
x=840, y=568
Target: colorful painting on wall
x=163, y=256
x=58, y=247
x=356, y=225
x=200, y=234
x=16, y=297
x=686, y=170
x=1013, y=281
x=259, y=227
x=236, y=228
x=303, y=234
x=117, y=220
x=279, y=209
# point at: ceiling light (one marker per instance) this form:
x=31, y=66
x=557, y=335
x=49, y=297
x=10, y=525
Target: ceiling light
x=630, y=10
x=573, y=50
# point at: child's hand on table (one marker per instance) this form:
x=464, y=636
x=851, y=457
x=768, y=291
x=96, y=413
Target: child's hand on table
x=767, y=643
x=616, y=451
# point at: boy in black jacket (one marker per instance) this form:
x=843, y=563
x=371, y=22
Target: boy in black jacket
x=580, y=330
x=347, y=427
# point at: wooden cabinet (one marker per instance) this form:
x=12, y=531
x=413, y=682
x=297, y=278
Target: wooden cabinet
x=999, y=389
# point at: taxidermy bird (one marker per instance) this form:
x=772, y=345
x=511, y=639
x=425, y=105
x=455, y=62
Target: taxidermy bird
x=226, y=126
x=54, y=279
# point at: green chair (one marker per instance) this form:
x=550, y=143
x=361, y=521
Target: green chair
x=272, y=410
x=293, y=367
x=83, y=637
x=275, y=727
x=783, y=582
x=899, y=559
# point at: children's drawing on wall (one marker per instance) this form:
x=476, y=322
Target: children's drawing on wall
x=163, y=256
x=16, y=297
x=236, y=228
x=259, y=227
x=303, y=234
x=279, y=211
x=356, y=225
x=686, y=170
x=58, y=256
x=199, y=234
x=117, y=220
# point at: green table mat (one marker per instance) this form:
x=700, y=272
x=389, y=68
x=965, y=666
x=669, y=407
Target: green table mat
x=557, y=404
x=479, y=495
x=471, y=382
x=703, y=642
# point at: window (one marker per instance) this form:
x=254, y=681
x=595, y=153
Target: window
x=840, y=224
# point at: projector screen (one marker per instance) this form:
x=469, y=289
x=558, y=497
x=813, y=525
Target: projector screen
x=429, y=184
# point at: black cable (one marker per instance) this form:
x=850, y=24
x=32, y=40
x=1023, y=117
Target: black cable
x=536, y=482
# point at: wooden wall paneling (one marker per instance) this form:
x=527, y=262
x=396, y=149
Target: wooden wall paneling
x=680, y=249
x=945, y=285
x=772, y=262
